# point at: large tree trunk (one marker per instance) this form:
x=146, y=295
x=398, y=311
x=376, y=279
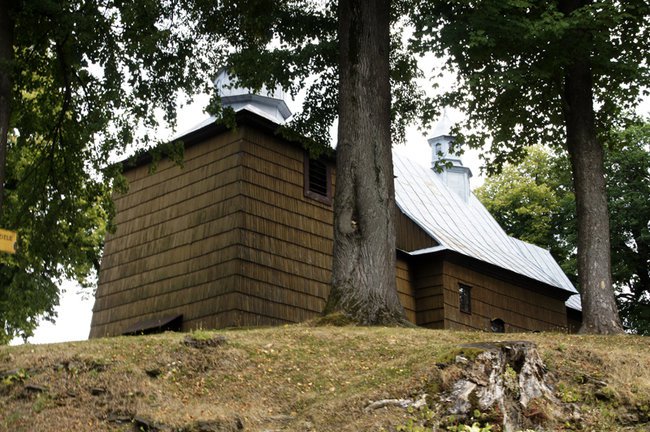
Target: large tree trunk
x=599, y=312
x=6, y=57
x=363, y=279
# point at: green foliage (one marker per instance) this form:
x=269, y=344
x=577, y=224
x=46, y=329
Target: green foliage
x=424, y=419
x=628, y=184
x=16, y=377
x=568, y=394
x=85, y=77
x=449, y=356
x=419, y=420
x=533, y=201
x=294, y=44
x=510, y=55
x=475, y=427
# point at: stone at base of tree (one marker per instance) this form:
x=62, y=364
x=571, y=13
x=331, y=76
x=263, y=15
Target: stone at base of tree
x=97, y=391
x=147, y=425
x=35, y=388
x=508, y=381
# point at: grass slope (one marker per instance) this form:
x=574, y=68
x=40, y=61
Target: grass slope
x=293, y=378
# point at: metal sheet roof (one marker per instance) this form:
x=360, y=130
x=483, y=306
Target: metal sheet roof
x=574, y=302
x=468, y=228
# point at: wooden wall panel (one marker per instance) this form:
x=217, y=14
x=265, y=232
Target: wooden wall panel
x=211, y=275
x=405, y=288
x=231, y=318
x=187, y=231
x=273, y=311
x=213, y=149
x=574, y=320
x=115, y=321
x=287, y=237
x=176, y=247
x=410, y=236
x=428, y=282
x=183, y=197
x=521, y=309
x=177, y=177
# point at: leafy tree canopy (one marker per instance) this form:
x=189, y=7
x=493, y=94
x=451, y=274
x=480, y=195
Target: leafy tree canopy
x=294, y=44
x=534, y=201
x=79, y=79
x=511, y=55
x=628, y=187
x=555, y=72
x=83, y=76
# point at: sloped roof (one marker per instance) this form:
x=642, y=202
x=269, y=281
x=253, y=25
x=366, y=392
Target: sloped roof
x=468, y=228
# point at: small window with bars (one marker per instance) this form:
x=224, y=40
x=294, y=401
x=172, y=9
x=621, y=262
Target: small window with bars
x=465, y=298
x=318, y=181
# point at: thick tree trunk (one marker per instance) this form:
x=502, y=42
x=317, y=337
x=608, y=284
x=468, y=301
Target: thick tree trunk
x=599, y=311
x=363, y=280
x=6, y=57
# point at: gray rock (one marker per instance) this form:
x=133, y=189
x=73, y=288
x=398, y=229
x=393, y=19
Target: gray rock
x=505, y=378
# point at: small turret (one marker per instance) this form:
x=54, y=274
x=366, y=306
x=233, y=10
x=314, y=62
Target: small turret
x=457, y=176
x=269, y=103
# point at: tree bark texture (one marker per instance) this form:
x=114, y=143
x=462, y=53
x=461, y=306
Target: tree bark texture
x=363, y=279
x=6, y=57
x=599, y=311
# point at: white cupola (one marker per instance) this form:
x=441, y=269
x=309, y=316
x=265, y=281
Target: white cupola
x=455, y=177
x=268, y=103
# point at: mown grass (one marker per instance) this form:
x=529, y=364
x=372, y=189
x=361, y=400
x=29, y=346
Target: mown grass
x=293, y=378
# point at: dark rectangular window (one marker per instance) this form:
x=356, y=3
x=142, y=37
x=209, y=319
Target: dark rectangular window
x=318, y=180
x=465, y=298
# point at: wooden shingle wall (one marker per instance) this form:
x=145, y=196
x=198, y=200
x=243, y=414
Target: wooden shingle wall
x=176, y=246
x=286, y=249
x=406, y=288
x=520, y=308
x=230, y=239
x=428, y=292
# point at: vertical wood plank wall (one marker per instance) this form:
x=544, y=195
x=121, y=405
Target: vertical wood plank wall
x=176, y=246
x=409, y=236
x=521, y=309
x=574, y=320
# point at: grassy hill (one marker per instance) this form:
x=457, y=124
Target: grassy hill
x=297, y=378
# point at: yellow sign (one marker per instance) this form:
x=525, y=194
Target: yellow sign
x=7, y=241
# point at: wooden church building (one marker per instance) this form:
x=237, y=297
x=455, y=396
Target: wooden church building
x=240, y=234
